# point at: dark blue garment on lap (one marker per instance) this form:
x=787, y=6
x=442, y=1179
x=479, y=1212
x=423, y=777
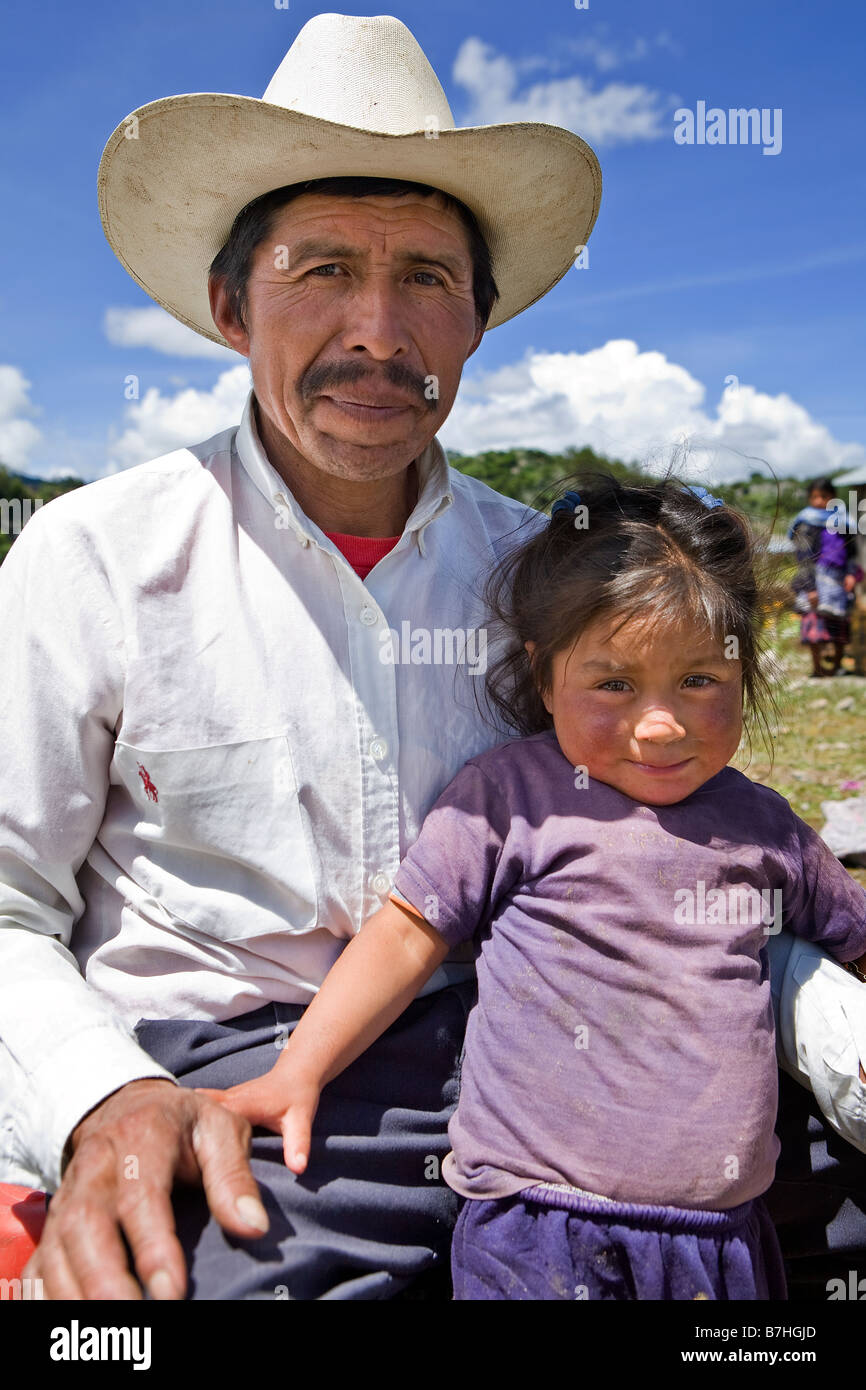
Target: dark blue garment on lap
x=818, y=1200
x=370, y=1214
x=546, y=1245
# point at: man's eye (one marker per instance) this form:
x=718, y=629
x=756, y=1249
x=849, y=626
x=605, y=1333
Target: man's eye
x=322, y=271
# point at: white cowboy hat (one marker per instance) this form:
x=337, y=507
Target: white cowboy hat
x=352, y=96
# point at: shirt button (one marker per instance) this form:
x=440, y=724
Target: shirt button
x=380, y=883
x=305, y=541
x=369, y=616
x=379, y=748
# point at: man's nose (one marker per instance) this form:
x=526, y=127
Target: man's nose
x=375, y=321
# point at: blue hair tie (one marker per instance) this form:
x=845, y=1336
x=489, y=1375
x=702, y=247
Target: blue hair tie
x=706, y=497
x=567, y=503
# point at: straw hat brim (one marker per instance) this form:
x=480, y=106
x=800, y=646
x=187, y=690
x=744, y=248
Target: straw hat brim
x=168, y=196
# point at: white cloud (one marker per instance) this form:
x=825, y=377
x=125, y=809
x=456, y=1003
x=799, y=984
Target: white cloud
x=638, y=406
x=156, y=329
x=62, y=454
x=609, y=53
x=157, y=424
x=18, y=435
x=627, y=404
x=617, y=113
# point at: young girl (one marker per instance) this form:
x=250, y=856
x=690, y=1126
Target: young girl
x=827, y=571
x=614, y=1132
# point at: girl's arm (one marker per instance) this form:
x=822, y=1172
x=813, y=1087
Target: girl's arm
x=370, y=984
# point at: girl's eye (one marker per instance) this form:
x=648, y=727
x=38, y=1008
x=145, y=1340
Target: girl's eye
x=617, y=685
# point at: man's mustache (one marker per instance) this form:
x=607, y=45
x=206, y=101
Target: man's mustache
x=330, y=374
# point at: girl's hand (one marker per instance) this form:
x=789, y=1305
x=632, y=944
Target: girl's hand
x=374, y=979
x=279, y=1102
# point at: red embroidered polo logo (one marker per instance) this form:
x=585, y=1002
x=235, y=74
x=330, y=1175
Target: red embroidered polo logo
x=148, y=785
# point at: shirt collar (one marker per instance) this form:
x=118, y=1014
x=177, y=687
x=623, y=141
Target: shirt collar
x=434, y=483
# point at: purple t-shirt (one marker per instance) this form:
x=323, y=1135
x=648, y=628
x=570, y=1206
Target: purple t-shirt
x=623, y=1040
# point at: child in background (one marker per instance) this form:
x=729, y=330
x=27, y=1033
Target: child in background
x=827, y=571
x=614, y=1131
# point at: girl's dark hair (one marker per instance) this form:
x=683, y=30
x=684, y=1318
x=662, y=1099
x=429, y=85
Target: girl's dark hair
x=254, y=222
x=820, y=485
x=653, y=550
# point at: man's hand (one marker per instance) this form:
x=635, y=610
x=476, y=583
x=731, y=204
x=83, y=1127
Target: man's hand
x=127, y=1155
x=278, y=1101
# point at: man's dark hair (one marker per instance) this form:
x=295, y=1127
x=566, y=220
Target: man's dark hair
x=253, y=225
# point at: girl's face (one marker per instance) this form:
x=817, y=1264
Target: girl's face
x=819, y=499
x=653, y=713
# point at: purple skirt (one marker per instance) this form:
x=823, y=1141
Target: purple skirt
x=817, y=628
x=547, y=1244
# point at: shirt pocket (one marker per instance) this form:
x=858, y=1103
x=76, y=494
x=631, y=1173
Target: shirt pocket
x=221, y=837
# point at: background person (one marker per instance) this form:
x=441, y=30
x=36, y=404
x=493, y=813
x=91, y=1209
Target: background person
x=827, y=572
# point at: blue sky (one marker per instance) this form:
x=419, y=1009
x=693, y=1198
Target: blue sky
x=708, y=262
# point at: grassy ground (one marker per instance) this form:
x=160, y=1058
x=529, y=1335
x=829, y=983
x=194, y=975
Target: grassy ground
x=820, y=738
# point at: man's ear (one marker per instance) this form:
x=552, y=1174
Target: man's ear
x=223, y=317
x=479, y=334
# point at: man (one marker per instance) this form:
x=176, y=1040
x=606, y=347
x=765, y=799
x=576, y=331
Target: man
x=228, y=718
x=228, y=729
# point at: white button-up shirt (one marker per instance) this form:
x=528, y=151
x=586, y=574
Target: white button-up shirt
x=218, y=745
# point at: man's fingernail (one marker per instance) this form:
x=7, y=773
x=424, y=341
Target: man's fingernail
x=161, y=1285
x=252, y=1213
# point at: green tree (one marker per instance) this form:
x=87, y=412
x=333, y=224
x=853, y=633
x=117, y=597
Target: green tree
x=15, y=487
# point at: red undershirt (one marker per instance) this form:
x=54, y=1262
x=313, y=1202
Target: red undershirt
x=362, y=552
